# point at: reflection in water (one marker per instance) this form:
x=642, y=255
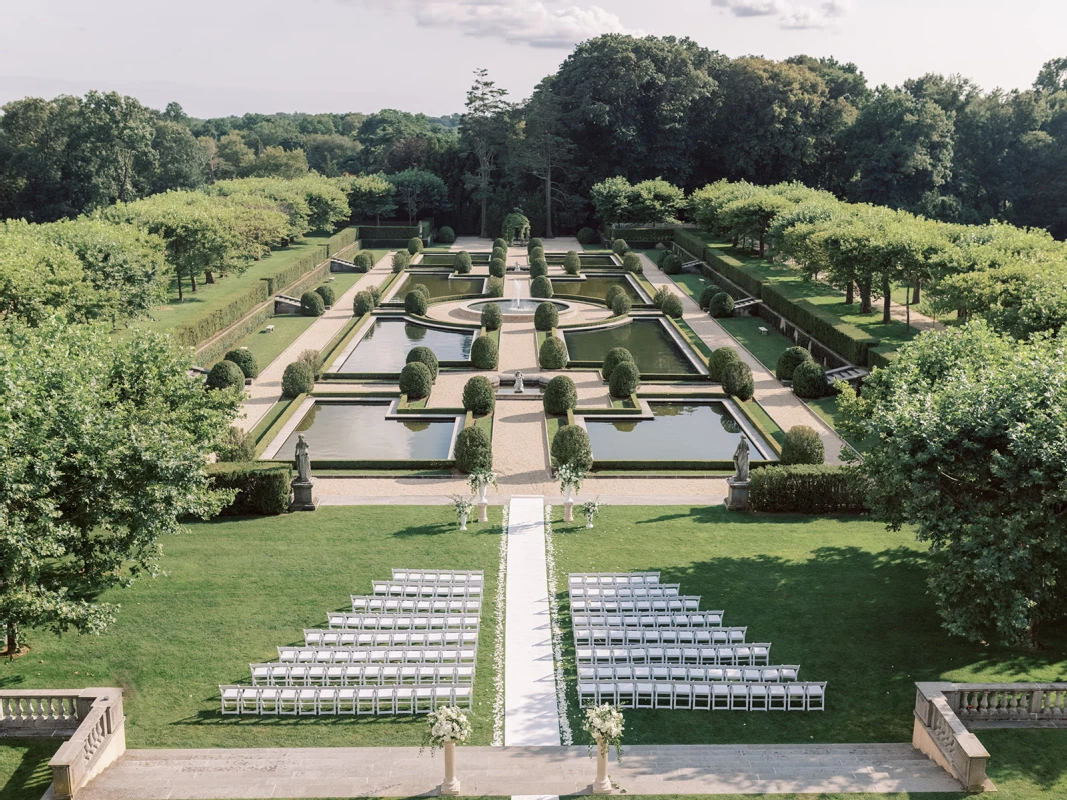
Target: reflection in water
x=360, y=431
x=386, y=346
x=597, y=288
x=647, y=340
x=440, y=285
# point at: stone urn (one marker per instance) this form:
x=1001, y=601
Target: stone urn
x=602, y=785
x=483, y=487
x=463, y=520
x=450, y=785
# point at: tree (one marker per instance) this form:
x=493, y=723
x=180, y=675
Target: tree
x=276, y=162
x=104, y=452
x=611, y=199
x=181, y=162
x=419, y=192
x=483, y=132
x=371, y=196
x=539, y=147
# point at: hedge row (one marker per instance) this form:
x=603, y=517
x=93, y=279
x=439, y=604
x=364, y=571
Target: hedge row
x=881, y=356
x=734, y=270
x=632, y=235
x=261, y=488
x=392, y=232
x=808, y=489
x=690, y=242
x=825, y=326
x=218, y=348
x=644, y=466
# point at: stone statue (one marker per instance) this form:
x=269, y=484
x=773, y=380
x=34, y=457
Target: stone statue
x=741, y=461
x=303, y=460
x=518, y=383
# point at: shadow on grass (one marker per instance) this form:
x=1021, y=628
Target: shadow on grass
x=25, y=775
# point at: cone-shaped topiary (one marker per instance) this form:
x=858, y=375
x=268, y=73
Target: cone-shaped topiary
x=802, y=445
x=624, y=380
x=363, y=303
x=415, y=303
x=484, y=354
x=327, y=294
x=541, y=287
x=546, y=317
x=473, y=450
x=479, y=396
x=297, y=379
x=560, y=395
x=586, y=236
x=672, y=306
x=572, y=264
x=809, y=380
x=621, y=305
x=311, y=304
x=553, y=353
x=445, y=235
x=718, y=361
x=737, y=380
x=571, y=446
x=721, y=305
x=491, y=317
x=461, y=262
x=414, y=245
x=225, y=375
x=538, y=267
x=425, y=356
x=614, y=357
x=245, y=361
x=415, y=380
x=788, y=362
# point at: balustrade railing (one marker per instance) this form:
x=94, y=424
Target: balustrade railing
x=996, y=702
x=51, y=711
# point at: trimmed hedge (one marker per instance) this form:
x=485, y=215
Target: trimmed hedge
x=424, y=355
x=653, y=236
x=809, y=381
x=225, y=375
x=788, y=362
x=718, y=360
x=484, y=353
x=534, y=243
x=297, y=379
x=572, y=264
x=492, y=317
x=497, y=267
x=631, y=262
x=706, y=295
x=619, y=247
x=363, y=261
x=613, y=358
x=245, y=361
x=613, y=291
x=500, y=242
x=327, y=294
x=479, y=397
x=808, y=489
x=621, y=305
x=473, y=450
x=494, y=287
x=672, y=265
x=261, y=488
x=311, y=304
x=737, y=380
x=445, y=235
x=586, y=236
x=414, y=245
x=672, y=306
x=625, y=380
x=363, y=303
x=415, y=380
x=541, y=287
x=537, y=254
x=461, y=262
x=560, y=395
x=394, y=232
x=824, y=326
x=400, y=261
x=313, y=358
x=415, y=303
x=662, y=293
x=546, y=317
x=571, y=446
x=553, y=353
x=422, y=289
x=802, y=445
x=721, y=305
x=538, y=268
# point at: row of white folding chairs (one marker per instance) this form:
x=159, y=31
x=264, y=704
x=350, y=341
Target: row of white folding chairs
x=612, y=578
x=696, y=619
x=369, y=655
x=706, y=696
x=635, y=605
x=630, y=591
x=319, y=637
x=286, y=674
x=316, y=700
x=732, y=655
x=427, y=589
x=347, y=621
x=636, y=637
x=439, y=575
x=777, y=674
x=374, y=604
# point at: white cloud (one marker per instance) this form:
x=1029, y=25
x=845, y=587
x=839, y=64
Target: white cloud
x=751, y=8
x=791, y=16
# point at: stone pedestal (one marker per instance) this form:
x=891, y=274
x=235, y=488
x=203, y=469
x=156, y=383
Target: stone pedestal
x=304, y=495
x=737, y=494
x=568, y=511
x=483, y=511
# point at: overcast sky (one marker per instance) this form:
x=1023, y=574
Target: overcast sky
x=219, y=57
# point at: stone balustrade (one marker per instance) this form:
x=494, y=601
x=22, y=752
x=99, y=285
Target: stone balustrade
x=1009, y=702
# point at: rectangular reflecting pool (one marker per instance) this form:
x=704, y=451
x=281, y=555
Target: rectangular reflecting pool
x=678, y=431
x=440, y=285
x=360, y=431
x=385, y=346
x=653, y=348
x=595, y=288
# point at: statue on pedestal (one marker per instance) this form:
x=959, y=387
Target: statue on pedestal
x=303, y=486
x=737, y=484
x=741, y=461
x=518, y=383
x=303, y=460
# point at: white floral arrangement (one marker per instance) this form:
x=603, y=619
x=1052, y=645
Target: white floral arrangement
x=604, y=724
x=498, y=642
x=481, y=475
x=446, y=724
x=570, y=475
x=462, y=505
x=592, y=508
x=565, y=734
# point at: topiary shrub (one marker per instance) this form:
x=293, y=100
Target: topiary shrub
x=809, y=489
x=415, y=303
x=541, y=287
x=327, y=294
x=718, y=361
x=473, y=450
x=415, y=380
x=572, y=264
x=363, y=303
x=363, y=261
x=461, y=262
x=245, y=361
x=313, y=358
x=619, y=247
x=661, y=294
x=414, y=245
x=225, y=375
x=239, y=446
x=424, y=355
x=621, y=305
x=546, y=317
x=297, y=379
x=586, y=236
x=571, y=446
x=706, y=295
x=422, y=289
x=613, y=291
x=614, y=357
x=721, y=305
x=802, y=445
x=809, y=380
x=499, y=252
x=553, y=353
x=631, y=262
x=479, y=396
x=625, y=378
x=401, y=259
x=534, y=244
x=737, y=380
x=445, y=235
x=537, y=254
x=538, y=269
x=492, y=317
x=788, y=362
x=376, y=294
x=671, y=264
x=560, y=395
x=501, y=243
x=672, y=306
x=311, y=304
x=484, y=354
x=261, y=489
x=494, y=287
x=497, y=267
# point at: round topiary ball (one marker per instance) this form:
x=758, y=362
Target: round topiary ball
x=245, y=361
x=494, y=287
x=422, y=289
x=788, y=362
x=492, y=317
x=375, y=293
x=661, y=294
x=672, y=306
x=672, y=264
x=484, y=354
x=473, y=450
x=586, y=236
x=536, y=243
x=631, y=262
x=619, y=247
x=737, y=380
x=572, y=263
x=614, y=357
x=613, y=291
x=401, y=259
x=705, y=296
x=809, y=380
x=225, y=375
x=571, y=446
x=311, y=304
x=461, y=262
x=327, y=294
x=625, y=378
x=721, y=305
x=560, y=395
x=297, y=379
x=497, y=267
x=718, y=360
x=415, y=303
x=424, y=355
x=501, y=243
x=445, y=235
x=802, y=445
x=363, y=261
x=363, y=303
x=541, y=287
x=414, y=245
x=546, y=317
x=479, y=396
x=501, y=252
x=553, y=353
x=538, y=268
x=415, y=380
x=621, y=305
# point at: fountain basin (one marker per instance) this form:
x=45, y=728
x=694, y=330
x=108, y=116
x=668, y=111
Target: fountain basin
x=514, y=309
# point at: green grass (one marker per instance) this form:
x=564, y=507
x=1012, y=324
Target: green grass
x=236, y=589
x=766, y=348
x=843, y=598
x=826, y=408
x=24, y=772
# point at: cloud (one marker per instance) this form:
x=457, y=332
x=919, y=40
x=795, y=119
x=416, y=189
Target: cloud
x=790, y=15
x=751, y=8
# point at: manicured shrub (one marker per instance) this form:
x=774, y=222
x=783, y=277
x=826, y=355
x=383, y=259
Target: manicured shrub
x=501, y=243
x=479, y=395
x=362, y=303
x=571, y=446
x=311, y=304
x=414, y=245
x=737, y=380
x=538, y=268
x=661, y=294
x=541, y=287
x=313, y=358
x=501, y=252
x=327, y=294
x=415, y=303
x=718, y=361
x=572, y=264
x=376, y=294
x=461, y=262
x=614, y=357
x=553, y=353
x=424, y=355
x=261, y=489
x=809, y=380
x=492, y=317
x=537, y=254
x=422, y=289
x=788, y=362
x=808, y=489
x=363, y=261
x=560, y=395
x=705, y=296
x=546, y=317
x=401, y=259
x=621, y=305
x=671, y=264
x=297, y=379
x=802, y=445
x=484, y=354
x=625, y=378
x=721, y=305
x=415, y=380
x=225, y=375
x=613, y=291
x=497, y=267
x=473, y=450
x=494, y=287
x=536, y=243
x=445, y=235
x=245, y=361
x=619, y=247
x=586, y=236
x=238, y=447
x=672, y=306
x=631, y=262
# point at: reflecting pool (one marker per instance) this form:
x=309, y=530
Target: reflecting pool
x=653, y=348
x=386, y=346
x=360, y=431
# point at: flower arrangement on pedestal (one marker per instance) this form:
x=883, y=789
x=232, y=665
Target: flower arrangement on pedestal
x=591, y=509
x=604, y=725
x=479, y=481
x=447, y=726
x=463, y=507
x=570, y=480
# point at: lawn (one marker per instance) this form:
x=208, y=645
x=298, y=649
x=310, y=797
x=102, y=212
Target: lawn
x=232, y=592
x=24, y=772
x=843, y=598
x=767, y=348
x=826, y=408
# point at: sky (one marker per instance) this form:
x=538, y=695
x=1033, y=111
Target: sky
x=221, y=57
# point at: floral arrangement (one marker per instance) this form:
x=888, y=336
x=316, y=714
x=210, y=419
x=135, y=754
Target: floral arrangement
x=570, y=475
x=604, y=724
x=565, y=734
x=479, y=476
x=591, y=508
x=446, y=724
x=462, y=505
